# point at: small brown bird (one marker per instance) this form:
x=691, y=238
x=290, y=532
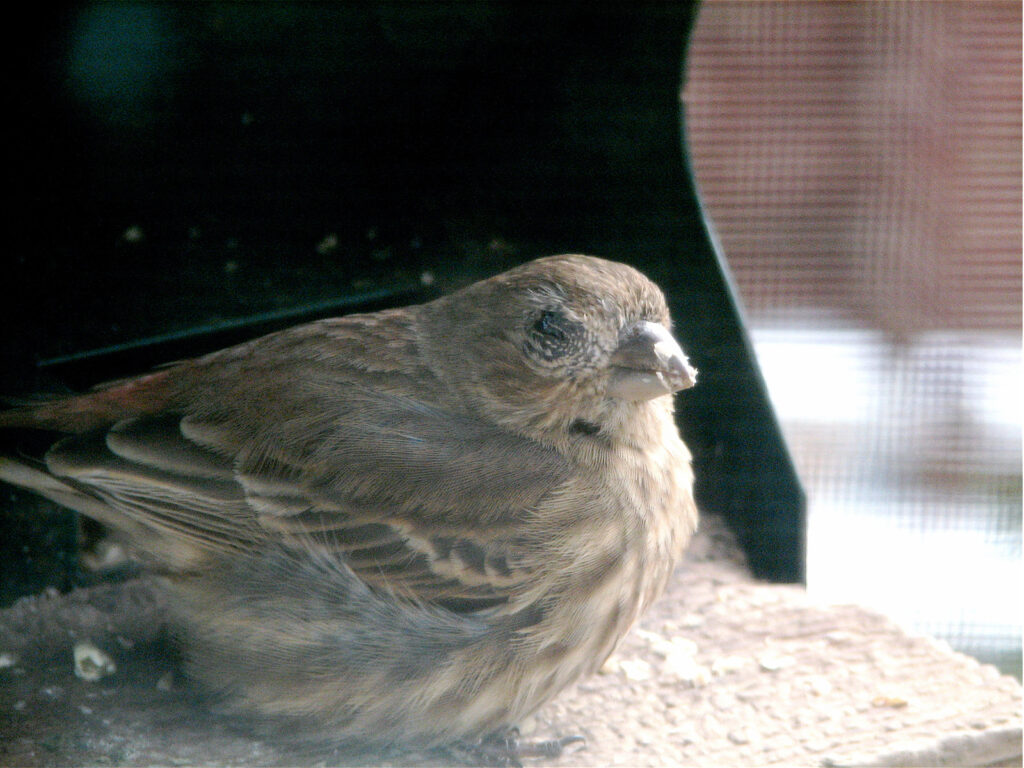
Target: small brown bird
x=410, y=527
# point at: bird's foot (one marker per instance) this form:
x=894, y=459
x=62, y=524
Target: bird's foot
x=548, y=748
x=505, y=749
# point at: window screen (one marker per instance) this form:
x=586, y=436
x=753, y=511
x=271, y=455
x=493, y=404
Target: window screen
x=861, y=163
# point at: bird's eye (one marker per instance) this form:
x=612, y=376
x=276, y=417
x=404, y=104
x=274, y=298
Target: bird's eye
x=552, y=336
x=550, y=324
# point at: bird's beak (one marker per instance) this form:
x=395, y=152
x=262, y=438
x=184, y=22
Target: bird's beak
x=648, y=363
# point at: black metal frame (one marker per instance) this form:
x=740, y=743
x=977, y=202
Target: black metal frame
x=193, y=174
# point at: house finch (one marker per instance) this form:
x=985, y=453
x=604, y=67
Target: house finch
x=410, y=527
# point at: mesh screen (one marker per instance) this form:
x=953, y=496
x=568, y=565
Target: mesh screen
x=861, y=163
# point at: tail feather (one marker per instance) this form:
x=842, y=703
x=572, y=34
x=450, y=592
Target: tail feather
x=24, y=475
x=101, y=407
x=143, y=539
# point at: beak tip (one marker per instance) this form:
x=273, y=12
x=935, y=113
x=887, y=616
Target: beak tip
x=650, y=363
x=685, y=375
x=677, y=382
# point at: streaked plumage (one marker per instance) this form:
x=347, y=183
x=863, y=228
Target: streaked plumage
x=407, y=527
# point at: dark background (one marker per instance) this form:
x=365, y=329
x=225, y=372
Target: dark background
x=189, y=175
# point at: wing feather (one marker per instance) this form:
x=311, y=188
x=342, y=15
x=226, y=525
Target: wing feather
x=413, y=498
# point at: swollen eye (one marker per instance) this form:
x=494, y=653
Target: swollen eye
x=549, y=324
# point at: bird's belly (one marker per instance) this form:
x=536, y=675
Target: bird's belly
x=573, y=641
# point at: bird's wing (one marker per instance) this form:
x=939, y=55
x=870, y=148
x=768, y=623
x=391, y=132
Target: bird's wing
x=414, y=499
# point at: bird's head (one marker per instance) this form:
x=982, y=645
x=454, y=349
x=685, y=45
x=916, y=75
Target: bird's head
x=561, y=344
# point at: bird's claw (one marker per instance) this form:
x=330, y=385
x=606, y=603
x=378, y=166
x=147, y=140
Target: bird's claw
x=505, y=749
x=549, y=748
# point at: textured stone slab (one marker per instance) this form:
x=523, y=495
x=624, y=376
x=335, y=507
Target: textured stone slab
x=724, y=671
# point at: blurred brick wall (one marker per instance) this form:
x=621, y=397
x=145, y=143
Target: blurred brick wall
x=864, y=157
x=861, y=163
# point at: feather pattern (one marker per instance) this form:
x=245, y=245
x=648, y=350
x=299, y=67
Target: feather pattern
x=415, y=525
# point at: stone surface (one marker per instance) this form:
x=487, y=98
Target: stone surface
x=724, y=670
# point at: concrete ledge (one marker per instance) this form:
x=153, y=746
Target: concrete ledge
x=724, y=670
